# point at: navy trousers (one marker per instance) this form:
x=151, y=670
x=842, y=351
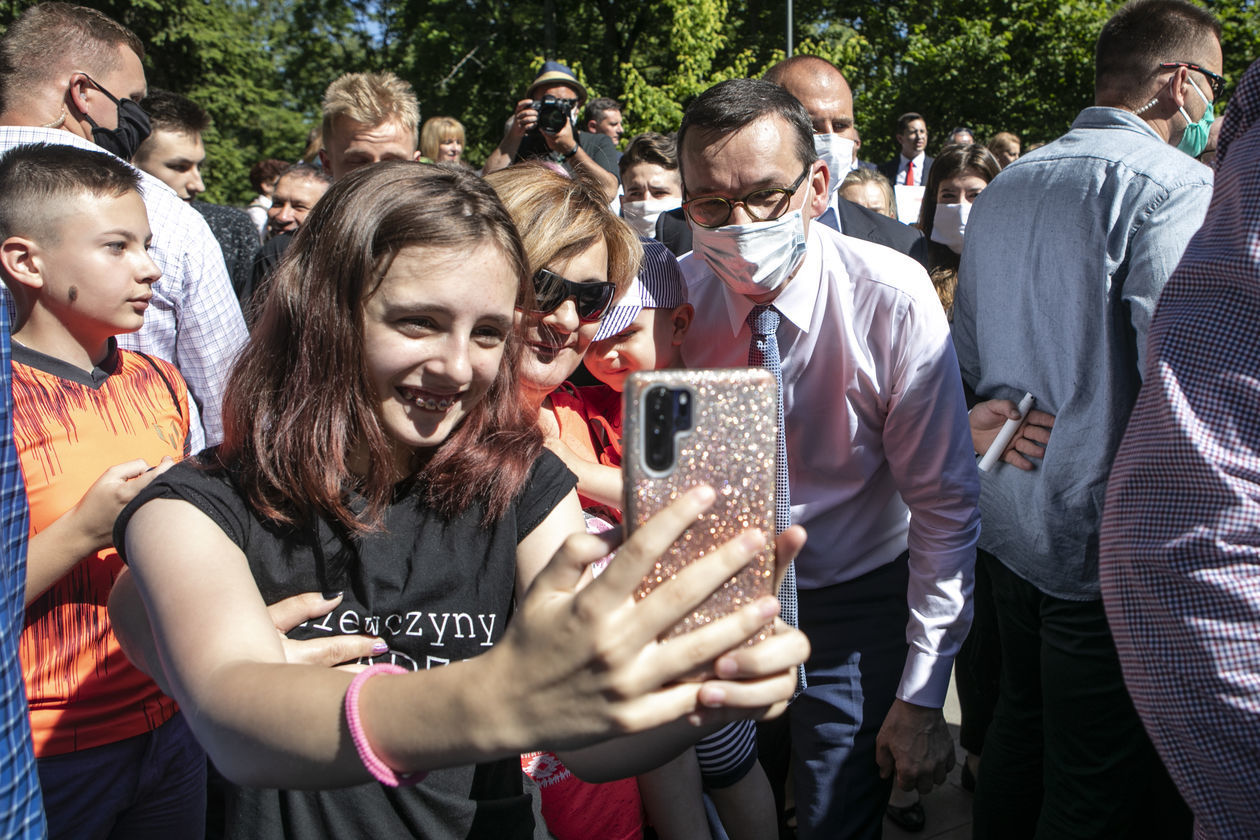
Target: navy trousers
x=857, y=630
x=149, y=787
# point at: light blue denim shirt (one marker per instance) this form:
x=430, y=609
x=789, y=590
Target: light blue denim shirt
x=1065, y=254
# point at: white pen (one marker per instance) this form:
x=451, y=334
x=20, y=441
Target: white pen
x=1004, y=436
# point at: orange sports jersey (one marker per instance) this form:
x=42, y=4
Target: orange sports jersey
x=70, y=426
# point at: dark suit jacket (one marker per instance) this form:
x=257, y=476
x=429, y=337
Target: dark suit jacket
x=672, y=230
x=889, y=170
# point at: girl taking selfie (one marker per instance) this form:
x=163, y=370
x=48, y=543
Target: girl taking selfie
x=377, y=450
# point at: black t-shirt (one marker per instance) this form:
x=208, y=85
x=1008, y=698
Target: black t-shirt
x=437, y=591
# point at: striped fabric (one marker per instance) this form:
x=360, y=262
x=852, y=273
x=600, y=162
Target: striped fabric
x=1180, y=545
x=658, y=286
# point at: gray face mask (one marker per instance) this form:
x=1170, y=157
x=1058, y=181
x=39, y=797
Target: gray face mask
x=753, y=259
x=837, y=151
x=642, y=215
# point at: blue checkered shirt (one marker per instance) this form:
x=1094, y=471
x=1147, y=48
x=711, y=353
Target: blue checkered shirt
x=21, y=809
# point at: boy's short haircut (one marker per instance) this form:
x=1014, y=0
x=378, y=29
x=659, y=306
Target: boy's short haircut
x=657, y=149
x=371, y=99
x=170, y=111
x=34, y=176
x=659, y=285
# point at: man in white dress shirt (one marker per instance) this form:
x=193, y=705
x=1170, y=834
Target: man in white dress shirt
x=911, y=167
x=876, y=430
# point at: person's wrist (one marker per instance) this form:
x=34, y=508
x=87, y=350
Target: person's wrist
x=84, y=532
x=513, y=731
x=570, y=153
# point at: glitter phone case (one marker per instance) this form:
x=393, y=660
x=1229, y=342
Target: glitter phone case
x=729, y=445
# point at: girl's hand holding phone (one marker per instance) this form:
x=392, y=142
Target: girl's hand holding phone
x=588, y=663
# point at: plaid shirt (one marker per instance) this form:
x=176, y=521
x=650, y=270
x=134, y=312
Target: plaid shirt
x=194, y=320
x=1180, y=550
x=21, y=809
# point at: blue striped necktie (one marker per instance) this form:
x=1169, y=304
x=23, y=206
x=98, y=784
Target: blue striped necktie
x=763, y=352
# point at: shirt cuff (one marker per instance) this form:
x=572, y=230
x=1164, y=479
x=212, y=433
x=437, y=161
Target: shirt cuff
x=925, y=679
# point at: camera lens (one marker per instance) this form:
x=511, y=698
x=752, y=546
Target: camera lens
x=682, y=409
x=552, y=116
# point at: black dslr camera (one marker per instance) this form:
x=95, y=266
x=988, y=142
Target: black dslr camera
x=552, y=113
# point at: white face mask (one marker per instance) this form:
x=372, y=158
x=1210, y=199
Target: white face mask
x=837, y=151
x=753, y=259
x=949, y=224
x=642, y=215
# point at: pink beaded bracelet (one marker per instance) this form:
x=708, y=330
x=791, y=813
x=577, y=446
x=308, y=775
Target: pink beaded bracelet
x=380, y=771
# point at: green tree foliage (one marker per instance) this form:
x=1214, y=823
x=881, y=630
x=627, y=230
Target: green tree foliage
x=260, y=66
x=1026, y=66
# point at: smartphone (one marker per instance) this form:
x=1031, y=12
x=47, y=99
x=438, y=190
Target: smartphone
x=683, y=428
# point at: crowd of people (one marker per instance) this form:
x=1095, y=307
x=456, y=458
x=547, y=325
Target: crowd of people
x=312, y=508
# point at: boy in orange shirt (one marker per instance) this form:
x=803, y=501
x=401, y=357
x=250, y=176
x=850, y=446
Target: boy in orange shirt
x=115, y=758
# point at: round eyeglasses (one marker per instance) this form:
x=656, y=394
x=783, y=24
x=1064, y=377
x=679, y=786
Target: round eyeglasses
x=713, y=211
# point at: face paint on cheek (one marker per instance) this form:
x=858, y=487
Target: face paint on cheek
x=74, y=293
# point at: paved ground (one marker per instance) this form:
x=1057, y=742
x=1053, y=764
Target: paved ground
x=948, y=808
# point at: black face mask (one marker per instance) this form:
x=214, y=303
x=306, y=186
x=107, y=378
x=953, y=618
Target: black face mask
x=133, y=126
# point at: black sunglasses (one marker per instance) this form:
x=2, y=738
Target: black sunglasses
x=591, y=299
x=1217, y=82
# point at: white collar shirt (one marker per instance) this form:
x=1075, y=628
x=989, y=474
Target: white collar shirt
x=903, y=163
x=879, y=450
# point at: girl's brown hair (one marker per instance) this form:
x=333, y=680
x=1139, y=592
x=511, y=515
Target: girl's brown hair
x=299, y=402
x=951, y=162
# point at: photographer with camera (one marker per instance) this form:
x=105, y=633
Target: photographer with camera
x=543, y=126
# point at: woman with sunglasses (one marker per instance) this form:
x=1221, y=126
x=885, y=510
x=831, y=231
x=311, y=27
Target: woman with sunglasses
x=376, y=449
x=583, y=258
x=585, y=253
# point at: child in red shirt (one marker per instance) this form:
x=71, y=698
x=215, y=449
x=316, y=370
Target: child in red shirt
x=645, y=331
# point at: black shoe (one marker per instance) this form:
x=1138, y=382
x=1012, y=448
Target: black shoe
x=968, y=778
x=911, y=818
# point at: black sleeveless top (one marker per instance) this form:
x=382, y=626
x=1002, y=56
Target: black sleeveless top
x=437, y=591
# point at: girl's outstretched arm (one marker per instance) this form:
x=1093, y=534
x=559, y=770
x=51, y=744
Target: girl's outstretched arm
x=574, y=667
